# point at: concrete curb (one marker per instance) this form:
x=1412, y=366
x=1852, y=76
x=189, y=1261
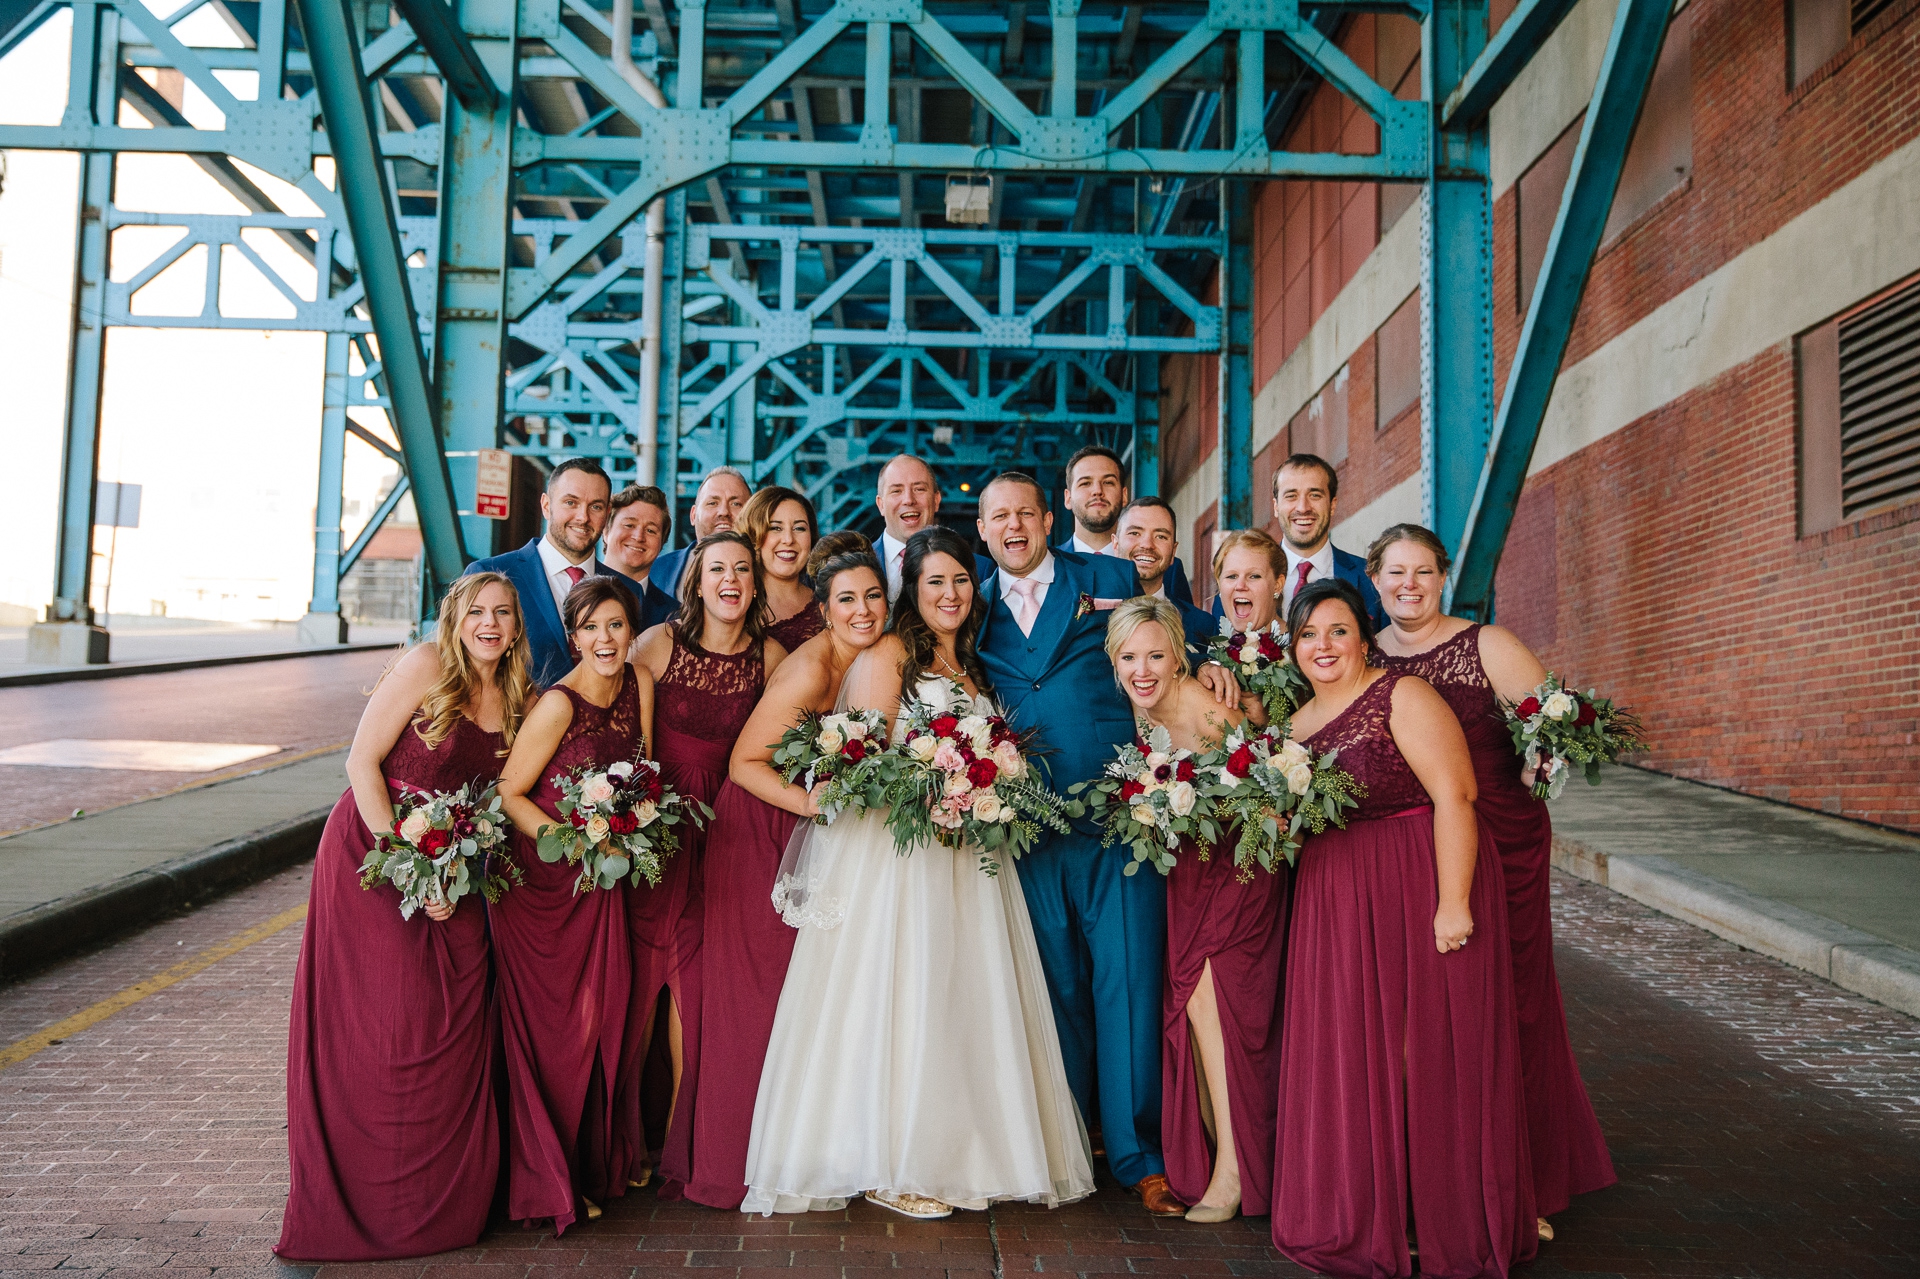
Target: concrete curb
x=36, y=937
x=1846, y=956
x=115, y=670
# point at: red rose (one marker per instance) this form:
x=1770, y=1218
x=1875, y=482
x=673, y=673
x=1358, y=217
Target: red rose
x=1240, y=763
x=1129, y=789
x=944, y=726
x=1586, y=716
x=623, y=823
x=654, y=788
x=1184, y=770
x=578, y=820
x=1528, y=709
x=399, y=820
x=982, y=772
x=433, y=841
x=855, y=750
x=1269, y=646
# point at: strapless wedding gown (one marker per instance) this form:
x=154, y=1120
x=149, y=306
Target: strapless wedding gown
x=914, y=1049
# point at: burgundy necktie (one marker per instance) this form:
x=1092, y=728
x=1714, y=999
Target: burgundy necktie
x=574, y=573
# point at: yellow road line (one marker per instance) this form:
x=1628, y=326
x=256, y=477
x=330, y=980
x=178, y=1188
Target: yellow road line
x=16, y=1053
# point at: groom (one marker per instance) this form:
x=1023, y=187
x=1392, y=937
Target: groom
x=1101, y=934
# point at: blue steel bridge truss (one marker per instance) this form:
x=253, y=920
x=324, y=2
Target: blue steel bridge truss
x=479, y=264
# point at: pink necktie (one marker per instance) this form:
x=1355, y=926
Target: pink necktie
x=574, y=573
x=1025, y=607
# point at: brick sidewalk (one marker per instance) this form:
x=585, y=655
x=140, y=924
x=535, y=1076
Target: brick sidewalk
x=1764, y=1124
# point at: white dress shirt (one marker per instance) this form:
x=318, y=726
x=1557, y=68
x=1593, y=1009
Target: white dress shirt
x=892, y=559
x=555, y=565
x=1322, y=562
x=1075, y=544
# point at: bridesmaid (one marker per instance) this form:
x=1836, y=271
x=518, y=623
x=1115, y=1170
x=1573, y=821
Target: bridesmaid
x=1402, y=1125
x=1250, y=568
x=1225, y=936
x=747, y=945
x=709, y=666
x=1473, y=667
x=779, y=522
x=564, y=969
x=391, y=1129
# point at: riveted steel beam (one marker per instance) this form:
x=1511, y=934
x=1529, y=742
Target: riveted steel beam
x=460, y=64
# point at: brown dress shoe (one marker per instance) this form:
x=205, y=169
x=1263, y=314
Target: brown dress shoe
x=1156, y=1196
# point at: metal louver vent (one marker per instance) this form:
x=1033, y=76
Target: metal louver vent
x=1865, y=11
x=1880, y=404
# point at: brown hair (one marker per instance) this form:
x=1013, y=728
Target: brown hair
x=907, y=623
x=459, y=684
x=1314, y=594
x=761, y=508
x=828, y=555
x=1310, y=460
x=652, y=496
x=1252, y=539
x=1419, y=535
x=590, y=593
x=691, y=621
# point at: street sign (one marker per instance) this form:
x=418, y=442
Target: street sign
x=116, y=505
x=494, y=485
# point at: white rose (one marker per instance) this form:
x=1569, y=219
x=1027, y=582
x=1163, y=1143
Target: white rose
x=987, y=806
x=854, y=728
x=1157, y=759
x=597, y=829
x=957, y=784
x=596, y=789
x=1300, y=778
x=415, y=826
x=1180, y=797
x=971, y=726
x=623, y=769
x=1294, y=754
x=1250, y=652
x=645, y=811
x=483, y=828
x=829, y=741
x=1007, y=756
x=1144, y=814
x=1559, y=706
x=922, y=748
x=982, y=742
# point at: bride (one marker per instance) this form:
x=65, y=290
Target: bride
x=914, y=1056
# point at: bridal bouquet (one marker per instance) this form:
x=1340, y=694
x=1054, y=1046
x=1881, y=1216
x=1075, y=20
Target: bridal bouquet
x=1556, y=727
x=961, y=779
x=617, y=821
x=1151, y=797
x=438, y=847
x=830, y=748
x=1259, y=658
x=1275, y=790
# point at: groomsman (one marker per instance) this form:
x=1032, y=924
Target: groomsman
x=545, y=569
x=639, y=521
x=1096, y=493
x=1306, y=492
x=716, y=506
x=1146, y=534
x=908, y=496
x=1101, y=934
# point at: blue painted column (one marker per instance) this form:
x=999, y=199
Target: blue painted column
x=1146, y=424
x=1236, y=354
x=1456, y=284
x=323, y=623
x=476, y=205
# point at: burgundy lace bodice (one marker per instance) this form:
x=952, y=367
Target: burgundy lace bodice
x=469, y=754
x=798, y=629
x=1454, y=669
x=1364, y=738
x=598, y=735
x=702, y=702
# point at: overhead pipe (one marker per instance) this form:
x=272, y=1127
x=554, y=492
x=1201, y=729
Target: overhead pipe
x=652, y=295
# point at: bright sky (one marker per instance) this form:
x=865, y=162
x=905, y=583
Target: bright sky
x=221, y=428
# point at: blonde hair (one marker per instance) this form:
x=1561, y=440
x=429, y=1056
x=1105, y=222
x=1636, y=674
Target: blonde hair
x=1253, y=539
x=459, y=684
x=1132, y=614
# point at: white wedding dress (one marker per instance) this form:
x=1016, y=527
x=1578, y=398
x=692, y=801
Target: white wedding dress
x=914, y=1049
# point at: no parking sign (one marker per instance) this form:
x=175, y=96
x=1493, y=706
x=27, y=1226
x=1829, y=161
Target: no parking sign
x=494, y=483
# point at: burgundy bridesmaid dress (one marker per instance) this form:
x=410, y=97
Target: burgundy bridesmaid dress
x=1569, y=1153
x=564, y=976
x=791, y=632
x=701, y=703
x=391, y=1129
x=1401, y=1111
x=744, y=958
x=1241, y=928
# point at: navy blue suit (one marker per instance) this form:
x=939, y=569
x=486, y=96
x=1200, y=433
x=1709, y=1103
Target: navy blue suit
x=668, y=568
x=1348, y=568
x=546, y=637
x=1201, y=626
x=656, y=606
x=1102, y=935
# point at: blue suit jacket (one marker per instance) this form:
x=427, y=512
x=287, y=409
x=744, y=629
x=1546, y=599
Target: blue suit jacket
x=668, y=568
x=1348, y=568
x=1058, y=680
x=545, y=635
x=1179, y=590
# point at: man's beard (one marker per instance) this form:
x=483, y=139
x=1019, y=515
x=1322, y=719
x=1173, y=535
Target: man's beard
x=1319, y=536
x=1101, y=526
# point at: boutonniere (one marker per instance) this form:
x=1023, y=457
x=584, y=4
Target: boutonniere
x=1089, y=604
